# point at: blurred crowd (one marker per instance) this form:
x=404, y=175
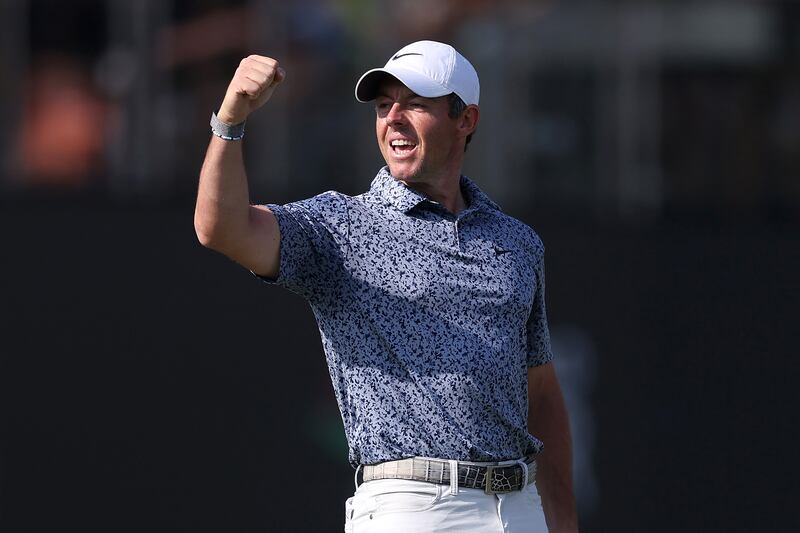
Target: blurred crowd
x=589, y=108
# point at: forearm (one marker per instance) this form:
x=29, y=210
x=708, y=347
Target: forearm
x=548, y=420
x=223, y=218
x=223, y=198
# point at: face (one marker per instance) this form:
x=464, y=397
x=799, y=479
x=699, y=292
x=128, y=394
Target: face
x=417, y=137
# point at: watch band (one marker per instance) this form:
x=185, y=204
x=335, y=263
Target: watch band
x=228, y=132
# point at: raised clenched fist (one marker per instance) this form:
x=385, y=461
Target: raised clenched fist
x=252, y=85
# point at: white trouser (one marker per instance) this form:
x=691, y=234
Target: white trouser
x=399, y=505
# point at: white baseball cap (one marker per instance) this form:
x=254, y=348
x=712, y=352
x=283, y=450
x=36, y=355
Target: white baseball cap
x=428, y=68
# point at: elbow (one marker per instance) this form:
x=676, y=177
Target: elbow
x=204, y=238
x=214, y=237
x=205, y=233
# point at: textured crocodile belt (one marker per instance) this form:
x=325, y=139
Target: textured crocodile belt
x=493, y=478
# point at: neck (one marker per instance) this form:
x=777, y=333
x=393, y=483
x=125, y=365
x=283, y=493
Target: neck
x=446, y=191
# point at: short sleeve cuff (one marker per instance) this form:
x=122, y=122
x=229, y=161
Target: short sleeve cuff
x=540, y=358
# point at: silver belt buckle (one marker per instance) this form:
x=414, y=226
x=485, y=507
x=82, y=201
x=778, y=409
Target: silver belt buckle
x=490, y=476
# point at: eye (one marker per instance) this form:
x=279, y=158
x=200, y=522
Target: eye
x=382, y=107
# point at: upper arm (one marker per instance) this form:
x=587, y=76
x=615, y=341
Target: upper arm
x=542, y=382
x=258, y=249
x=308, y=242
x=301, y=245
x=262, y=253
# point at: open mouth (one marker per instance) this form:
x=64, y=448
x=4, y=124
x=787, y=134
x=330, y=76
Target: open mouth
x=402, y=146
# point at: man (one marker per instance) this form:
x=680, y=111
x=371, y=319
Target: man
x=429, y=301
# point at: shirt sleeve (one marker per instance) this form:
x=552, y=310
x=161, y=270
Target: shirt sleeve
x=313, y=246
x=539, y=350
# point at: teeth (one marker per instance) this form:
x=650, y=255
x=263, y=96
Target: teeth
x=402, y=142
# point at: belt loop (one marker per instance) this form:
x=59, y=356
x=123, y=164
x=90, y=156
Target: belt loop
x=355, y=477
x=453, y=477
x=524, y=466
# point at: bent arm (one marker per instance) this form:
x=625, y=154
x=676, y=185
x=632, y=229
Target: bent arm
x=548, y=421
x=224, y=220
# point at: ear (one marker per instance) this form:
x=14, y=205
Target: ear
x=468, y=121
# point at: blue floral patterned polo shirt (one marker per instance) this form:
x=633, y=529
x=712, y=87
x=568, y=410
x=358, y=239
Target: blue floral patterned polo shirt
x=429, y=321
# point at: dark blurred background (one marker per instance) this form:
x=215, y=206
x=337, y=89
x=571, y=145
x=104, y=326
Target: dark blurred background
x=148, y=384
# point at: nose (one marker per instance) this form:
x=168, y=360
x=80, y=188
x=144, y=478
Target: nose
x=395, y=114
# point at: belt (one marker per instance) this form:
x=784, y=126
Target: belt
x=493, y=478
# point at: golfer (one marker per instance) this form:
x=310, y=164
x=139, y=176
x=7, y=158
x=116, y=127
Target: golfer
x=430, y=304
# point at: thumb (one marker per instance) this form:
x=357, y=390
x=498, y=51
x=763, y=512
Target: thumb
x=280, y=74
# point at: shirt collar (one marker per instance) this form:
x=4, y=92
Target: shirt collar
x=402, y=197
x=476, y=198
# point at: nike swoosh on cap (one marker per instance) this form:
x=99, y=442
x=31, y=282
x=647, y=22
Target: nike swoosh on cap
x=398, y=56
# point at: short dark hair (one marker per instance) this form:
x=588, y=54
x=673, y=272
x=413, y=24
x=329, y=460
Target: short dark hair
x=457, y=106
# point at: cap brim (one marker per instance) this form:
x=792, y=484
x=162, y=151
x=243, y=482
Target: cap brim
x=368, y=84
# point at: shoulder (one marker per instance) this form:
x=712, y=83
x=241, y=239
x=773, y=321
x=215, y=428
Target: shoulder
x=329, y=205
x=328, y=211
x=520, y=233
x=328, y=200
x=367, y=198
